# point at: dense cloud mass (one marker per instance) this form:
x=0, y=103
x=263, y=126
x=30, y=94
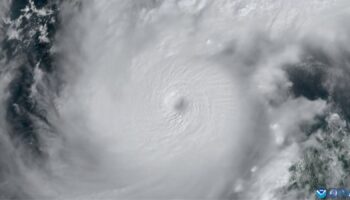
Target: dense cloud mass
x=173, y=99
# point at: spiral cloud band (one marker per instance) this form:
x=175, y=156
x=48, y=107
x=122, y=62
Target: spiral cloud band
x=173, y=99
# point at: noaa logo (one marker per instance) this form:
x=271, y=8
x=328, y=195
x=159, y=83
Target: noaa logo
x=321, y=193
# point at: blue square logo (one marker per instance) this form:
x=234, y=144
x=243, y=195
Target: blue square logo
x=321, y=193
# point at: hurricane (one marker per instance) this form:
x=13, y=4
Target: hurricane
x=173, y=99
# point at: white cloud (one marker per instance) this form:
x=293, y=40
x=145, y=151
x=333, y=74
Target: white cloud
x=191, y=101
